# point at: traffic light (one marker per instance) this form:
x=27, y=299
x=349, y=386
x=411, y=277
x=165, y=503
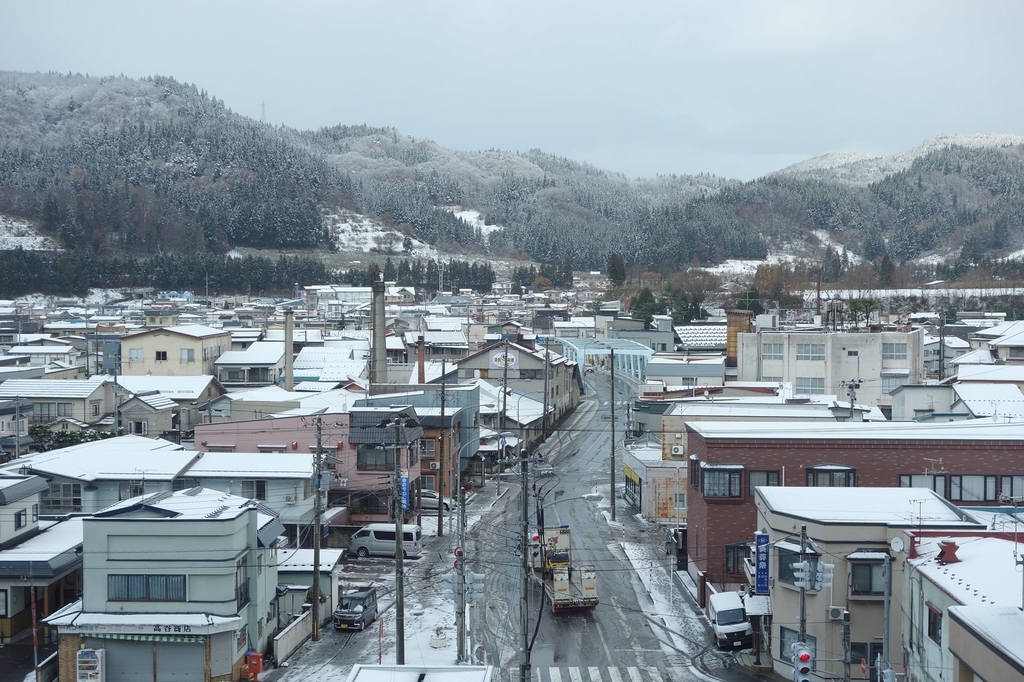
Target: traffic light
x=823, y=578
x=803, y=662
x=474, y=587
x=802, y=574
x=449, y=585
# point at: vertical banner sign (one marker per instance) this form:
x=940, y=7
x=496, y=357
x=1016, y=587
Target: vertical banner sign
x=761, y=567
x=405, y=492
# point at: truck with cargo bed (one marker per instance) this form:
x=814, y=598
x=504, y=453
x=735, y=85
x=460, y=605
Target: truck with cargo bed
x=569, y=587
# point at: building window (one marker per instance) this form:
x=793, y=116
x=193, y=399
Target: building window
x=179, y=484
x=831, y=477
x=890, y=384
x=95, y=409
x=130, y=489
x=786, y=560
x=852, y=353
x=694, y=472
x=375, y=458
x=35, y=512
x=254, y=490
x=20, y=519
x=145, y=588
x=3, y=603
x=136, y=355
x=934, y=624
x=428, y=448
x=188, y=354
x=772, y=380
x=427, y=482
x=63, y=498
x=788, y=637
x=894, y=351
x=867, y=578
x=370, y=503
x=771, y=351
x=722, y=482
x=808, y=385
x=762, y=478
x=161, y=356
x=680, y=501
x=972, y=488
x=1012, y=486
x=933, y=482
x=242, y=583
x=138, y=428
x=810, y=351
x=734, y=556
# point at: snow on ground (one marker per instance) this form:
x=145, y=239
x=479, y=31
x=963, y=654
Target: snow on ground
x=17, y=232
x=476, y=219
x=358, y=233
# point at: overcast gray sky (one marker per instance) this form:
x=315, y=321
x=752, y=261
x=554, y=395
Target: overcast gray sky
x=732, y=88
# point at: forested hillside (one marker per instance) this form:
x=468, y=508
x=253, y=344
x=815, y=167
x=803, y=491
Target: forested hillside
x=142, y=167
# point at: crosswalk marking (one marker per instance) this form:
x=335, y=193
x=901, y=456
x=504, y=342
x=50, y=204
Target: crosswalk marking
x=646, y=673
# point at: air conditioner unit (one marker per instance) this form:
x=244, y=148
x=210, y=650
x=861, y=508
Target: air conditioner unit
x=289, y=499
x=836, y=612
x=434, y=466
x=678, y=450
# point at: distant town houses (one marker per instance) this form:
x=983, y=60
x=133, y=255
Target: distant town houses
x=731, y=427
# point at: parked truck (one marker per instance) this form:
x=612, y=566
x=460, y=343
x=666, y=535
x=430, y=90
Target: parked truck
x=569, y=587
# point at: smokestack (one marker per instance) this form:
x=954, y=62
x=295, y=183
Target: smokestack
x=289, y=344
x=421, y=360
x=379, y=351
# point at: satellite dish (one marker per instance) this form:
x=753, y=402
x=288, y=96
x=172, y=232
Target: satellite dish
x=706, y=394
x=896, y=544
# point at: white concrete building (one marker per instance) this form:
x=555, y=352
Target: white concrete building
x=819, y=362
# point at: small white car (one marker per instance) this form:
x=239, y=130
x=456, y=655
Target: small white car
x=429, y=499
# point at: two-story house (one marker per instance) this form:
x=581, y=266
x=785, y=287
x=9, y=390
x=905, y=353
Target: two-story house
x=180, y=581
x=190, y=393
x=14, y=417
x=88, y=401
x=33, y=561
x=91, y=476
x=261, y=364
x=185, y=350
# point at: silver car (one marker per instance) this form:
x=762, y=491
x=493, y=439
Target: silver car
x=430, y=498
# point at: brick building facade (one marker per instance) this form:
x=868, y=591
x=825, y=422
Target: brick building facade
x=969, y=462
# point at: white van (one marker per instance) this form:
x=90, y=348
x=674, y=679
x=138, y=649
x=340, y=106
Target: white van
x=378, y=539
x=729, y=621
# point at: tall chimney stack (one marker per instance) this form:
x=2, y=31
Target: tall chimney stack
x=289, y=344
x=379, y=351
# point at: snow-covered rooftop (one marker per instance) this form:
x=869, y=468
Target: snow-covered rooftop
x=898, y=507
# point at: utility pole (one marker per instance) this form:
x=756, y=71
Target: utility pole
x=884, y=673
x=524, y=546
x=317, y=472
x=547, y=371
x=851, y=390
x=803, y=588
x=399, y=551
x=504, y=411
x=846, y=646
x=611, y=354
x=460, y=597
x=441, y=456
